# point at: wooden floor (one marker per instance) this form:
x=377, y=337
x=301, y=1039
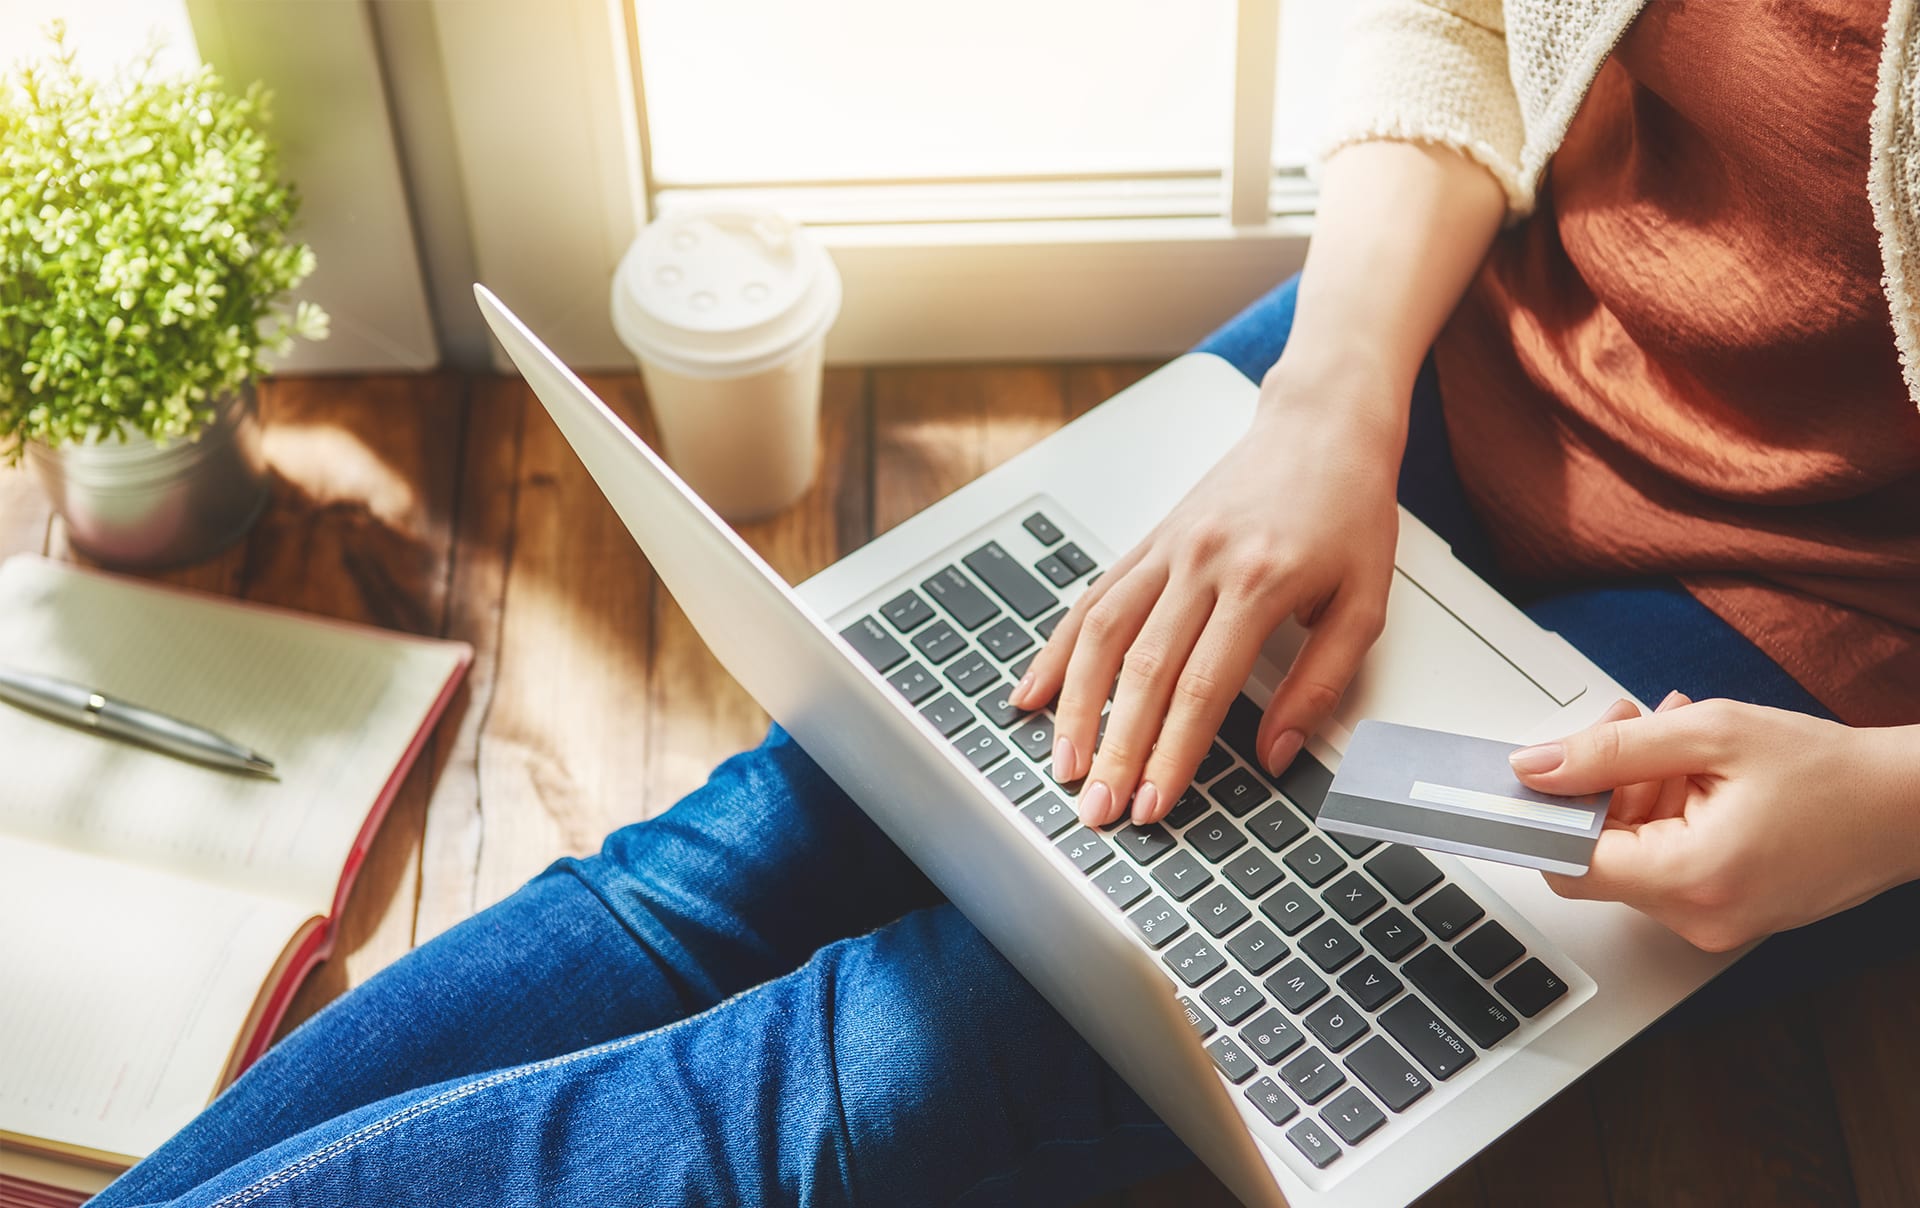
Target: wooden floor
x=449, y=505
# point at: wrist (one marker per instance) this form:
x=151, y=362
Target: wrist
x=1350, y=395
x=1893, y=755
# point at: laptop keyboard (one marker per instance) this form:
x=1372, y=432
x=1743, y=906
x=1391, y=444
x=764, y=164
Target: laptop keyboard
x=1335, y=981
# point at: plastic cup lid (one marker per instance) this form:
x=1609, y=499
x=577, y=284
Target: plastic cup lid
x=724, y=290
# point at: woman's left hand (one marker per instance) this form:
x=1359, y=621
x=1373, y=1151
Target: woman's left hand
x=1731, y=821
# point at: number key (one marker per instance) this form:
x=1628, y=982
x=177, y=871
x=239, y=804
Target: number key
x=1272, y=1036
x=1158, y=923
x=1312, y=1075
x=981, y=748
x=1087, y=850
x=1123, y=884
x=1049, y=815
x=1017, y=782
x=1233, y=997
x=1193, y=960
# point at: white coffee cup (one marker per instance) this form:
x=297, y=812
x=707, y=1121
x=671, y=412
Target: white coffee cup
x=726, y=309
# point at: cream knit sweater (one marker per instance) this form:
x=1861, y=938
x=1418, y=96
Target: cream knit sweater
x=1500, y=82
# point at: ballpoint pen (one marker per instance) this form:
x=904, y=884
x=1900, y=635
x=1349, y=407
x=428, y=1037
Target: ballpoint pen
x=78, y=705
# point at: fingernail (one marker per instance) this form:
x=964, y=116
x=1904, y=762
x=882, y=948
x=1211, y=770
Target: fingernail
x=1019, y=693
x=1095, y=802
x=1674, y=700
x=1063, y=758
x=1536, y=759
x=1146, y=799
x=1284, y=748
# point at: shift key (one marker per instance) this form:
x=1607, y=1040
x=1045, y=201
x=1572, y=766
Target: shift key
x=1460, y=997
x=1010, y=581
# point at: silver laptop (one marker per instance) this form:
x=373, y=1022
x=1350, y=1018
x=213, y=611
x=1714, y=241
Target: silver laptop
x=1323, y=1020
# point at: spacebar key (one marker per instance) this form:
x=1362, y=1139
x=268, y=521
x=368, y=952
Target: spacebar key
x=1459, y=997
x=1010, y=581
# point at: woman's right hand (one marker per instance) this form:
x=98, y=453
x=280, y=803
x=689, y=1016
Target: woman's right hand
x=1297, y=520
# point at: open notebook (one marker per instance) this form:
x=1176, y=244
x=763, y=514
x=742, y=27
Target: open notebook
x=156, y=915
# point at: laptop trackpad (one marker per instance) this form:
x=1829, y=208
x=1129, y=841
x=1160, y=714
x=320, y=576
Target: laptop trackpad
x=1429, y=669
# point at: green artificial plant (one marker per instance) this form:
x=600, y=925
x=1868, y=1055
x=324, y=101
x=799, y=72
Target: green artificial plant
x=145, y=251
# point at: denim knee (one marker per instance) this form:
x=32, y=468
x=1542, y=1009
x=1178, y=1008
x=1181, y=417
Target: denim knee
x=955, y=1074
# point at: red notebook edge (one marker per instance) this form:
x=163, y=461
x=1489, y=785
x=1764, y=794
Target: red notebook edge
x=318, y=943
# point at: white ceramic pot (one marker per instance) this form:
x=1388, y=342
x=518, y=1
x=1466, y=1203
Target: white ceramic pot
x=140, y=504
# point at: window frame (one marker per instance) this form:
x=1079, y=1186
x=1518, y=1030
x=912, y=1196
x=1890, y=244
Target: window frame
x=1022, y=268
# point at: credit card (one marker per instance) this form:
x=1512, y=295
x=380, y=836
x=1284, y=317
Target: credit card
x=1452, y=793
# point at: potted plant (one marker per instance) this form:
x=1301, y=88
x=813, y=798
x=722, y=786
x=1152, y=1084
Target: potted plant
x=145, y=258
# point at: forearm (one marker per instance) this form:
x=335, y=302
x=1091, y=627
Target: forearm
x=1402, y=229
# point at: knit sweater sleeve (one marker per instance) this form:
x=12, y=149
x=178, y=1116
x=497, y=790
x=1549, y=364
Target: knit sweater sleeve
x=1432, y=71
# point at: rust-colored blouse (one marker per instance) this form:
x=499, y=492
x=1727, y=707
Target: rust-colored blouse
x=1683, y=363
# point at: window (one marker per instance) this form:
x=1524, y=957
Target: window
x=1004, y=179
x=879, y=90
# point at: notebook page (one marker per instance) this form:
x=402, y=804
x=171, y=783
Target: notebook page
x=334, y=707
x=121, y=992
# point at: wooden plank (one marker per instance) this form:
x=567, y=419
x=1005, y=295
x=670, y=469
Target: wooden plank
x=1551, y=1156
x=483, y=552
x=558, y=753
x=697, y=715
x=1094, y=382
x=374, y=464
x=1873, y=1064
x=937, y=429
x=1188, y=1187
x=24, y=513
x=1733, y=1110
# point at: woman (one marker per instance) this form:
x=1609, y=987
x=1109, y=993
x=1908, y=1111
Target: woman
x=1675, y=394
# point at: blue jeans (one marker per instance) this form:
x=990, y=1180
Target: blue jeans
x=683, y=1018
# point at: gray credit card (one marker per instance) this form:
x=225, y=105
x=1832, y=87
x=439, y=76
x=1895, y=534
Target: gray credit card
x=1452, y=793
